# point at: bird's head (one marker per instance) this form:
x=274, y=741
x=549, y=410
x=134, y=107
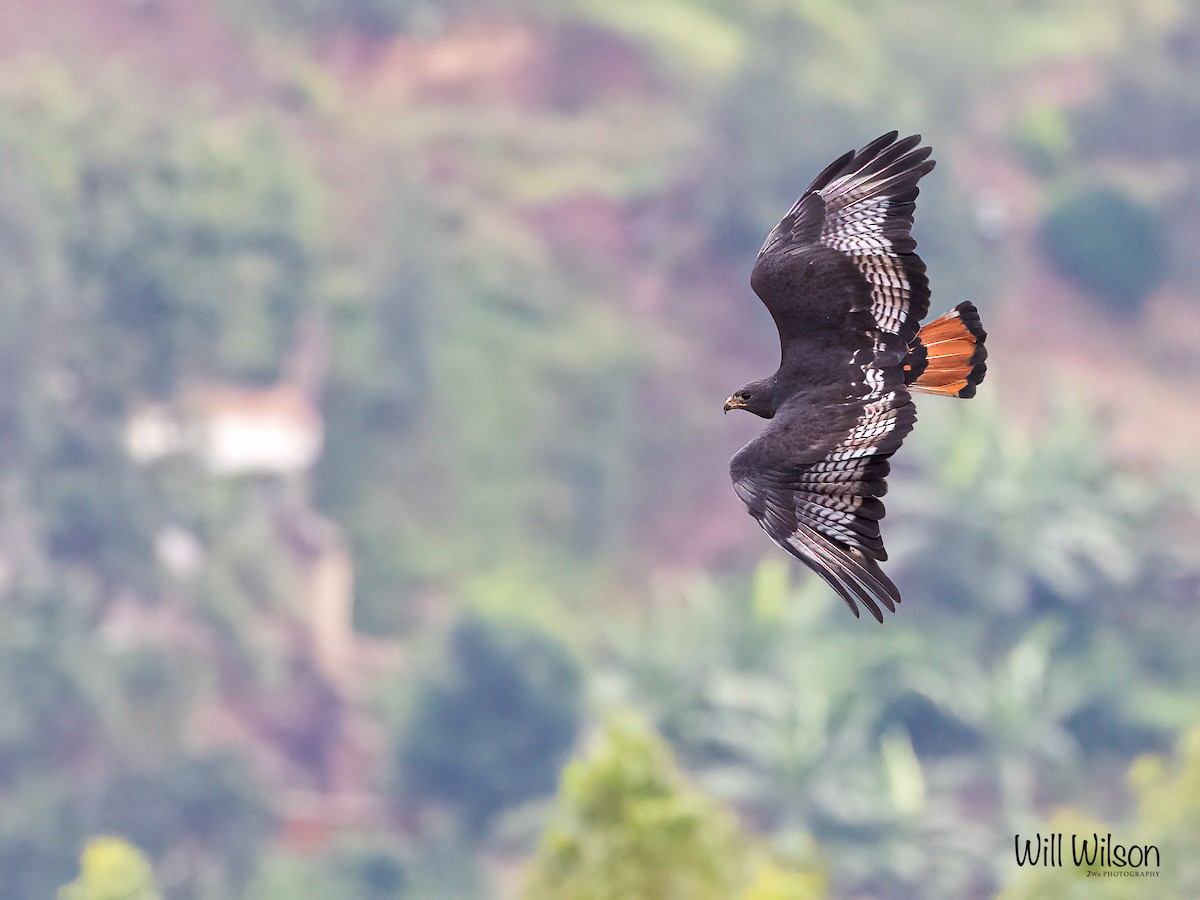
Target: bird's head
x=758, y=397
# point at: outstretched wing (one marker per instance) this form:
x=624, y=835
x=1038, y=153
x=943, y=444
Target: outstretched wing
x=822, y=503
x=861, y=208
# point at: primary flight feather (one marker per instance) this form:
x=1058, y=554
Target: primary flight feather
x=841, y=278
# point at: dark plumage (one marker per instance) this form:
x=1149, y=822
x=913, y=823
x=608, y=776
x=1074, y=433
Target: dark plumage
x=840, y=277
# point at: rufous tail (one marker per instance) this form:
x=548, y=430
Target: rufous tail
x=948, y=356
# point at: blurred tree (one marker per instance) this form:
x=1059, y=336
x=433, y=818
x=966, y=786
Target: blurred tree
x=112, y=870
x=40, y=837
x=198, y=241
x=628, y=827
x=760, y=685
x=773, y=883
x=1168, y=797
x=493, y=730
x=189, y=240
x=787, y=732
x=1168, y=817
x=1149, y=105
x=1070, y=882
x=204, y=817
x=1109, y=244
x=149, y=244
x=356, y=870
x=48, y=714
x=152, y=244
x=374, y=17
x=754, y=167
x=377, y=18
x=1053, y=518
x=473, y=363
x=376, y=872
x=1043, y=138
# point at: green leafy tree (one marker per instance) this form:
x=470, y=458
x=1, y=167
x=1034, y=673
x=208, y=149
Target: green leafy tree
x=471, y=356
x=112, y=869
x=630, y=827
x=1042, y=136
x=1055, y=520
x=1168, y=817
x=1109, y=243
x=774, y=883
x=1168, y=797
x=208, y=814
x=493, y=730
x=760, y=684
x=361, y=870
x=150, y=245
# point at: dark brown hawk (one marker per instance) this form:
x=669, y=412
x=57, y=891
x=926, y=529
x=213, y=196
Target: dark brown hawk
x=841, y=278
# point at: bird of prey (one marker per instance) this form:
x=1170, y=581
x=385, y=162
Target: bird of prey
x=841, y=278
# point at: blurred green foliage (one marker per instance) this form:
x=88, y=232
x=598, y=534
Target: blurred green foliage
x=1107, y=242
x=1044, y=138
x=629, y=826
x=146, y=249
x=212, y=805
x=493, y=731
x=521, y=286
x=871, y=741
x=369, y=16
x=1168, y=818
x=112, y=869
x=363, y=869
x=183, y=244
x=1147, y=107
x=773, y=883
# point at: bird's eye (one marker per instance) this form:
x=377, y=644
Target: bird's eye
x=746, y=395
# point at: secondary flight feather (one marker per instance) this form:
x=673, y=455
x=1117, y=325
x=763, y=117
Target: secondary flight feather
x=841, y=278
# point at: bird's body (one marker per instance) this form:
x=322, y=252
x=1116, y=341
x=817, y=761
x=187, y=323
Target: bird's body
x=840, y=278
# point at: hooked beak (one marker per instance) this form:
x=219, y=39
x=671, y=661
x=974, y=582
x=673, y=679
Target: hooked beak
x=732, y=404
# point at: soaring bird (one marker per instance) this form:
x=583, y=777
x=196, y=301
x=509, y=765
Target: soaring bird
x=841, y=278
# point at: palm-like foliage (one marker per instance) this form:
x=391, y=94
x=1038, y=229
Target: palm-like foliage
x=1001, y=684
x=997, y=516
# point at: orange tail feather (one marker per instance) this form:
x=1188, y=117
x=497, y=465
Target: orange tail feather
x=949, y=356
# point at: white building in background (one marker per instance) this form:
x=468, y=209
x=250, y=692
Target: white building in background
x=232, y=430
x=278, y=431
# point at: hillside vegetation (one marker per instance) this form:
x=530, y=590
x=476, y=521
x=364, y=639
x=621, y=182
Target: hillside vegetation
x=362, y=464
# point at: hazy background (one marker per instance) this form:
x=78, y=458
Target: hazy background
x=362, y=461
